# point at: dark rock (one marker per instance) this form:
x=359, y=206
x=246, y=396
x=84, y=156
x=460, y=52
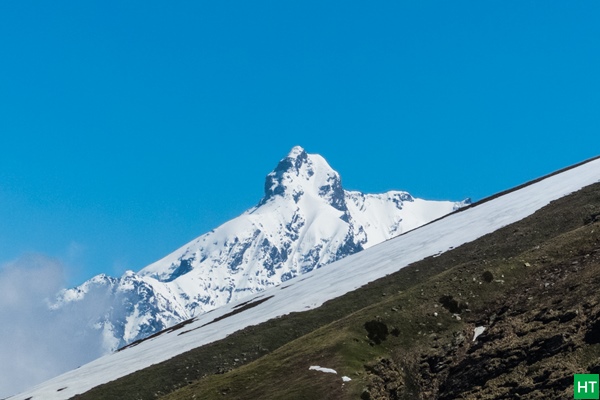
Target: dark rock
x=376, y=331
x=592, y=335
x=487, y=276
x=451, y=304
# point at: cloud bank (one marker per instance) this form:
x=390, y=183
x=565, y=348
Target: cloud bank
x=37, y=343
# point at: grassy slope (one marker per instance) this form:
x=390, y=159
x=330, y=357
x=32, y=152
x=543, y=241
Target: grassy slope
x=534, y=268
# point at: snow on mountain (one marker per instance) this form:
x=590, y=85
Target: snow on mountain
x=304, y=221
x=320, y=285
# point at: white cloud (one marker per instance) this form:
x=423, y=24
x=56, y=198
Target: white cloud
x=36, y=343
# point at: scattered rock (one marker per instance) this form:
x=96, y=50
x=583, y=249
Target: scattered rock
x=452, y=305
x=487, y=276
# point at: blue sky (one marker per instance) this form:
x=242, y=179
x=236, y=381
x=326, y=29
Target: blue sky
x=127, y=130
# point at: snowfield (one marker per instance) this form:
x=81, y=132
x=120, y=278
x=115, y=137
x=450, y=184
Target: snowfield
x=314, y=288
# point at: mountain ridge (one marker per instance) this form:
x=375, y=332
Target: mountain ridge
x=304, y=220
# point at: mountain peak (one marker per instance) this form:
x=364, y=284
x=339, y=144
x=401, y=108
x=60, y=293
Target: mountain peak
x=293, y=162
x=297, y=151
x=305, y=221
x=300, y=173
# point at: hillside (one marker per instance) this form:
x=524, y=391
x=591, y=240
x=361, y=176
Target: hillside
x=530, y=283
x=533, y=285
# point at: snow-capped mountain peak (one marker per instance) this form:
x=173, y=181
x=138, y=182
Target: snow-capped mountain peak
x=300, y=174
x=304, y=221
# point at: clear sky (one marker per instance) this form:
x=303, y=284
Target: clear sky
x=130, y=128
